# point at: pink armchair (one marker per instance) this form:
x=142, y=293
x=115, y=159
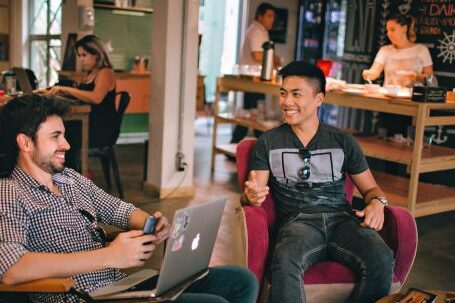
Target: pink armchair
x=328, y=281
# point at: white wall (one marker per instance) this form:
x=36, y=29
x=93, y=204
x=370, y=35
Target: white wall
x=173, y=96
x=284, y=50
x=19, y=33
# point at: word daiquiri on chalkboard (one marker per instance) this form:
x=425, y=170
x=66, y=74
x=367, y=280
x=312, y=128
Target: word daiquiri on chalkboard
x=435, y=20
x=365, y=33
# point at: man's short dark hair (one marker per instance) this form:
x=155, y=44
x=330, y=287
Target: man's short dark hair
x=24, y=115
x=262, y=9
x=311, y=72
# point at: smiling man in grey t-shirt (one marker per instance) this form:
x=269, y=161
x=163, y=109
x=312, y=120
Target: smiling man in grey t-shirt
x=306, y=162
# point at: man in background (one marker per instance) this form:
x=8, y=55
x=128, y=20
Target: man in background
x=251, y=54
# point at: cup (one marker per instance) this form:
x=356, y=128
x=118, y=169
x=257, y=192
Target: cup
x=236, y=69
x=382, y=133
x=431, y=81
x=244, y=69
x=372, y=88
x=10, y=85
x=392, y=89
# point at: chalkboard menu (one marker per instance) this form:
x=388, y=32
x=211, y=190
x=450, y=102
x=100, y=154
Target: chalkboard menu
x=365, y=33
x=435, y=20
x=361, y=40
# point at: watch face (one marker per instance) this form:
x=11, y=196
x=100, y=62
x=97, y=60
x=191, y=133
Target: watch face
x=383, y=200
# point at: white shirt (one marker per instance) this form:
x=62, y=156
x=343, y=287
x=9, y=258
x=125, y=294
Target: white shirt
x=413, y=58
x=256, y=35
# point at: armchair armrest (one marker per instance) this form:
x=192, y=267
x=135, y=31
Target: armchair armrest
x=400, y=233
x=42, y=285
x=257, y=239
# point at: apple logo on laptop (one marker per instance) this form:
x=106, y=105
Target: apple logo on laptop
x=195, y=242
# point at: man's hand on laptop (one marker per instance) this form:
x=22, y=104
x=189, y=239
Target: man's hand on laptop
x=255, y=193
x=161, y=228
x=130, y=249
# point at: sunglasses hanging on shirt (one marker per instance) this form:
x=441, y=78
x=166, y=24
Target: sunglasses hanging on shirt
x=99, y=231
x=305, y=171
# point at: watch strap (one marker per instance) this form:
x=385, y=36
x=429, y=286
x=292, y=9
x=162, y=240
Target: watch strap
x=381, y=199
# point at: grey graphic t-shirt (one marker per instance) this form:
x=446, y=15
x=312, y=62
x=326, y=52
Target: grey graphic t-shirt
x=308, y=179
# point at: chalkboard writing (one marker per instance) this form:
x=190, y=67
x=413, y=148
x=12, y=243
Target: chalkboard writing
x=435, y=20
x=360, y=40
x=365, y=33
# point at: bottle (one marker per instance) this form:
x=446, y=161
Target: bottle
x=267, y=60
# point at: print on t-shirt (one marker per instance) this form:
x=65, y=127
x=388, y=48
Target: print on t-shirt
x=325, y=166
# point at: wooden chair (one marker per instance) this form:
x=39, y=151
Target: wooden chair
x=107, y=153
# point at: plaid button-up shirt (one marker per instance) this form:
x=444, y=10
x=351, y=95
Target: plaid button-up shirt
x=33, y=219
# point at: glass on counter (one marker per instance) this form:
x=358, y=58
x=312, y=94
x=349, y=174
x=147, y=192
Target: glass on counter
x=246, y=70
x=10, y=85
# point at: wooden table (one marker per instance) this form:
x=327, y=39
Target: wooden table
x=442, y=296
x=76, y=113
x=430, y=198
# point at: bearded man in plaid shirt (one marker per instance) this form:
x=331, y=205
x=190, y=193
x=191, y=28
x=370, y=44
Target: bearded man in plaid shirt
x=49, y=215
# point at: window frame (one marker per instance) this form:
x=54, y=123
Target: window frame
x=47, y=37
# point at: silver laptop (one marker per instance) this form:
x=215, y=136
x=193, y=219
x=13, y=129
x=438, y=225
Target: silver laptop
x=188, y=252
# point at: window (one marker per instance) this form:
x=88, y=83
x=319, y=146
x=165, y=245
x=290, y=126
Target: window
x=45, y=43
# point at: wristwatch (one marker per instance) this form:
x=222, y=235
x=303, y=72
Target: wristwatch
x=381, y=199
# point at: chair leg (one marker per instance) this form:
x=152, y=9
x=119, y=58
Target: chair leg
x=106, y=170
x=111, y=154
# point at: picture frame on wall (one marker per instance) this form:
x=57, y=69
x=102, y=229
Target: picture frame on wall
x=4, y=47
x=278, y=32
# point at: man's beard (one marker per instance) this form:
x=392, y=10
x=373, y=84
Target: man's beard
x=48, y=166
x=51, y=168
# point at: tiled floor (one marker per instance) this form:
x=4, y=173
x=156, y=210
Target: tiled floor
x=434, y=267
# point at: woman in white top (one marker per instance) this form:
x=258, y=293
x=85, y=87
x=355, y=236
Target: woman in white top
x=404, y=62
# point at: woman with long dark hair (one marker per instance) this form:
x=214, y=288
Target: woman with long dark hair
x=97, y=89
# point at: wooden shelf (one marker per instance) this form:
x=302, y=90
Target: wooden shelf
x=434, y=157
x=227, y=149
x=125, y=8
x=431, y=198
x=247, y=122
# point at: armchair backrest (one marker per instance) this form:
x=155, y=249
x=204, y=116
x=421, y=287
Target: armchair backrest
x=243, y=154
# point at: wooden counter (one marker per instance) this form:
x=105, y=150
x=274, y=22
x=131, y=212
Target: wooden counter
x=401, y=191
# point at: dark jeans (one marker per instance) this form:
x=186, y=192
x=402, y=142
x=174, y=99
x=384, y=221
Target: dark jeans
x=250, y=100
x=223, y=284
x=308, y=239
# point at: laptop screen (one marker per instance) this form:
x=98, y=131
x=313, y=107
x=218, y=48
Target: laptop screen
x=23, y=80
x=190, y=244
